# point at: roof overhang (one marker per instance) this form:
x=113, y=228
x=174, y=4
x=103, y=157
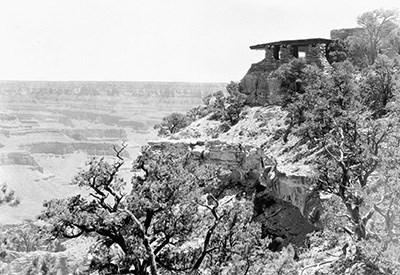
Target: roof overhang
x=299, y=42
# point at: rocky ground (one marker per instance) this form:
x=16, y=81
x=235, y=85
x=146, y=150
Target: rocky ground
x=256, y=154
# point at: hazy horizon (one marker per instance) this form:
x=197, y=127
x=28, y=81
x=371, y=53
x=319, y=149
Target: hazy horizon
x=102, y=80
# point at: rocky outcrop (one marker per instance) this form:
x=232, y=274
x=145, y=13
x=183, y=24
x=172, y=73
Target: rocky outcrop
x=245, y=163
x=250, y=166
x=259, y=84
x=255, y=173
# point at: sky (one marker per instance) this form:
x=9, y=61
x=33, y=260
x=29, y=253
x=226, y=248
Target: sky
x=158, y=40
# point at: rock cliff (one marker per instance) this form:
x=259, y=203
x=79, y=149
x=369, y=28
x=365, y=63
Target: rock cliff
x=259, y=84
x=262, y=167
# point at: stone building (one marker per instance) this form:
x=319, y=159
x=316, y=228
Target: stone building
x=258, y=84
x=312, y=50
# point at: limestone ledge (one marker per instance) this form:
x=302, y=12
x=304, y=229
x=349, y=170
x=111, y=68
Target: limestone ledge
x=249, y=166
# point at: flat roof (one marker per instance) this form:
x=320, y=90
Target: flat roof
x=298, y=42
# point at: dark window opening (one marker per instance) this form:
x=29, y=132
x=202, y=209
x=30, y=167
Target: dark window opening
x=277, y=52
x=295, y=50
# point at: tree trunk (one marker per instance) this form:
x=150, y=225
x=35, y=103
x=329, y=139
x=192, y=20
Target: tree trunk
x=152, y=257
x=146, y=243
x=359, y=226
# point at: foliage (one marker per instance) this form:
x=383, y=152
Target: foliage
x=384, y=195
x=381, y=255
x=26, y=238
x=356, y=144
x=314, y=98
x=28, y=249
x=351, y=119
x=222, y=106
x=394, y=41
x=347, y=119
x=292, y=77
x=8, y=196
x=337, y=51
x=237, y=240
x=171, y=221
x=264, y=262
x=44, y=263
x=379, y=84
x=171, y=124
x=377, y=27
x=235, y=102
x=351, y=154
x=334, y=217
x=225, y=107
x=197, y=112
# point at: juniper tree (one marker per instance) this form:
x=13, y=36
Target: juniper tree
x=171, y=221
